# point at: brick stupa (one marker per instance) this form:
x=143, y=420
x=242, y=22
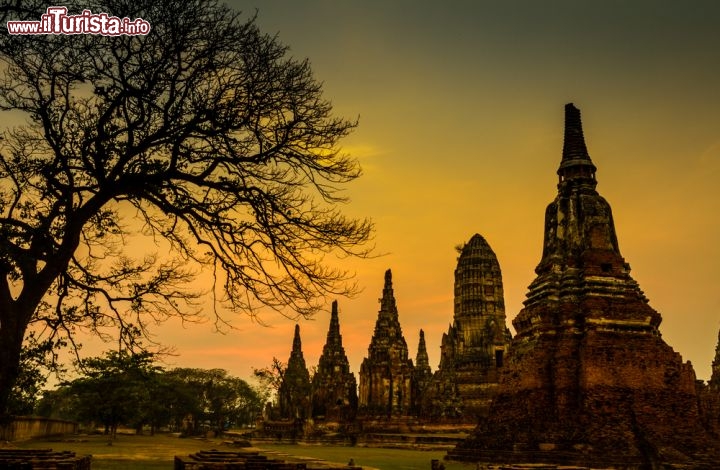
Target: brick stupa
x=588, y=380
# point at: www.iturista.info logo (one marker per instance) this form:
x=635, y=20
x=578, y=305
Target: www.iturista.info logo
x=57, y=21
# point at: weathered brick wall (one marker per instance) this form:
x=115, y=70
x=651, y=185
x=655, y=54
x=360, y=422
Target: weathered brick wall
x=27, y=427
x=595, y=394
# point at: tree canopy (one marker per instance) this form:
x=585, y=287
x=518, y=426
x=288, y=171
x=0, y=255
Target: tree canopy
x=204, y=137
x=131, y=390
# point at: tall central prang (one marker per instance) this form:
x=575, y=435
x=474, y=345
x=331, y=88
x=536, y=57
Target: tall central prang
x=472, y=350
x=588, y=380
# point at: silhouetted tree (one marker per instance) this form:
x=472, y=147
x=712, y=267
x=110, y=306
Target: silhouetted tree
x=37, y=361
x=20, y=10
x=219, y=398
x=115, y=389
x=271, y=377
x=206, y=133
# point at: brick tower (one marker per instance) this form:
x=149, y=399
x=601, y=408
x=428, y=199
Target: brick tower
x=473, y=349
x=294, y=391
x=386, y=374
x=588, y=380
x=422, y=374
x=334, y=394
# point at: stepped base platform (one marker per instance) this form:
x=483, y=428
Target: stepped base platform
x=410, y=441
x=45, y=459
x=244, y=460
x=564, y=460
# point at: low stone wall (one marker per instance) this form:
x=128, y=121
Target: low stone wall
x=27, y=427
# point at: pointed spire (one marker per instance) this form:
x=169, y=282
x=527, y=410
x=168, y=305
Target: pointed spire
x=388, y=280
x=576, y=162
x=421, y=360
x=388, y=321
x=574, y=145
x=333, y=348
x=296, y=362
x=715, y=377
x=387, y=303
x=297, y=344
x=333, y=336
x=295, y=386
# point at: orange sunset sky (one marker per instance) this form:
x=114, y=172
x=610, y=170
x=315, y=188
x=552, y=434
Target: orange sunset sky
x=461, y=124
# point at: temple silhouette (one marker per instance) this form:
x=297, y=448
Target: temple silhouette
x=586, y=380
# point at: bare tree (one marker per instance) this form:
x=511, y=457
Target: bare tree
x=18, y=10
x=271, y=376
x=203, y=136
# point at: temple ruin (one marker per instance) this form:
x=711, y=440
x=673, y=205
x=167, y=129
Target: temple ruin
x=386, y=374
x=294, y=391
x=422, y=375
x=588, y=379
x=396, y=395
x=709, y=394
x=473, y=349
x=334, y=389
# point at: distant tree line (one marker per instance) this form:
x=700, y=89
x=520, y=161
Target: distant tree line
x=130, y=390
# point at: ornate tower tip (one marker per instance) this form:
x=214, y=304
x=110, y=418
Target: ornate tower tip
x=574, y=145
x=334, y=322
x=477, y=240
x=576, y=162
x=297, y=344
x=388, y=277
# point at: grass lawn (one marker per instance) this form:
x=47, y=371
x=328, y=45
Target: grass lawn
x=130, y=452
x=368, y=457
x=127, y=452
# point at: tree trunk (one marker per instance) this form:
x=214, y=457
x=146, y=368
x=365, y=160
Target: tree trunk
x=17, y=312
x=12, y=331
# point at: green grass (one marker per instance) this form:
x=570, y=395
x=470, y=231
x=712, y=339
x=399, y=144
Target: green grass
x=127, y=452
x=130, y=452
x=368, y=457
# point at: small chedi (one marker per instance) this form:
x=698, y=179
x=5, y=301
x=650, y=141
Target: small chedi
x=386, y=375
x=588, y=379
x=294, y=391
x=286, y=419
x=473, y=349
x=709, y=394
x=334, y=390
x=422, y=375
